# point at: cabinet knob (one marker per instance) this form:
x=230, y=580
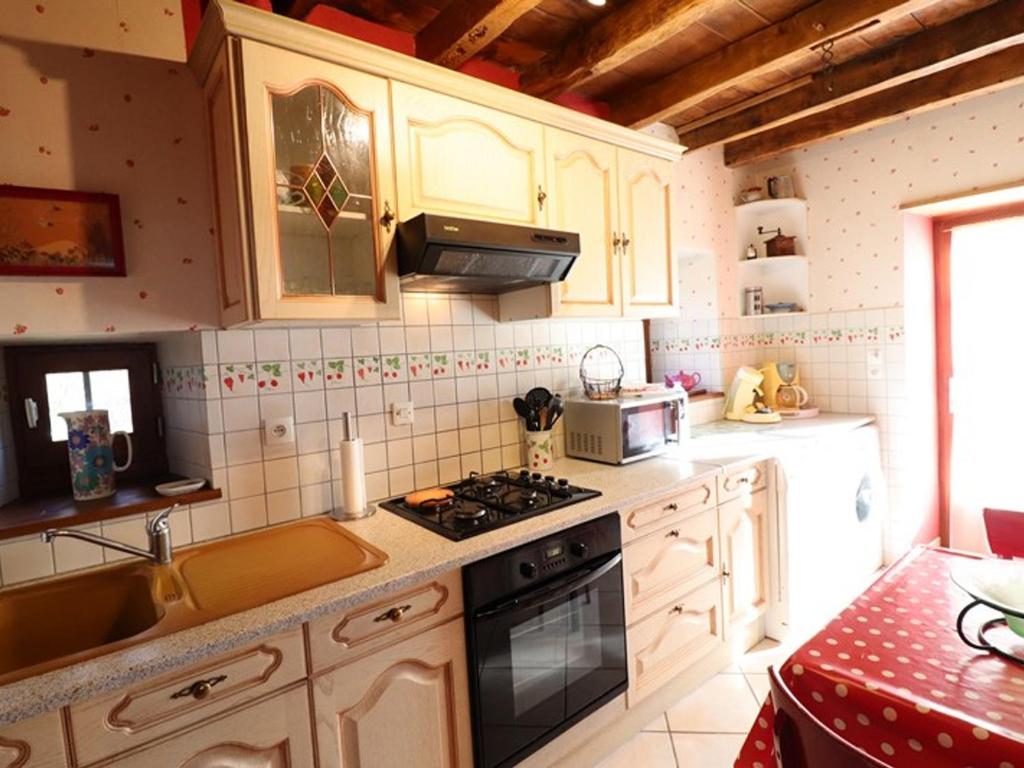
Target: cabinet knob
x=625, y=241
x=616, y=241
x=541, y=196
x=677, y=609
x=200, y=689
x=393, y=615
x=673, y=507
x=674, y=533
x=387, y=217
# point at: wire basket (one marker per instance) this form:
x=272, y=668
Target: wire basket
x=603, y=388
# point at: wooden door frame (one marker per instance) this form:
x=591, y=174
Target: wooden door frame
x=942, y=236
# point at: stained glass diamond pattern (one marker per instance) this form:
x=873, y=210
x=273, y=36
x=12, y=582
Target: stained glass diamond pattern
x=326, y=190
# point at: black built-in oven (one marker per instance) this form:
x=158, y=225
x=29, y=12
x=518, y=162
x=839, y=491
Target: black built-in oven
x=546, y=636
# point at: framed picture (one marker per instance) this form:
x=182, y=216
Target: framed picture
x=58, y=232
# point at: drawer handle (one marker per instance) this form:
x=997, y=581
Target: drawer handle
x=674, y=533
x=200, y=689
x=673, y=507
x=677, y=609
x=394, y=615
x=725, y=571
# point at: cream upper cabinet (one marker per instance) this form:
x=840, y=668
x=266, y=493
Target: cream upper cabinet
x=649, y=271
x=305, y=195
x=464, y=160
x=407, y=704
x=744, y=533
x=583, y=197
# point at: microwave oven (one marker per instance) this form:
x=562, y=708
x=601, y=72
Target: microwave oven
x=625, y=429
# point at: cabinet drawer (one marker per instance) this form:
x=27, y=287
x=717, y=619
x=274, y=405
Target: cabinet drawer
x=339, y=638
x=128, y=718
x=651, y=515
x=681, y=556
x=737, y=482
x=676, y=636
x=35, y=743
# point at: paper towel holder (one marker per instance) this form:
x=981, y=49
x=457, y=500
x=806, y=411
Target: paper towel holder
x=349, y=436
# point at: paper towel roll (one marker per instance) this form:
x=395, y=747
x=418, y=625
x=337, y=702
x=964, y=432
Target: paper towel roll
x=353, y=477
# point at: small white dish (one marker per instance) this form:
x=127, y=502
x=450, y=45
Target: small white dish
x=181, y=487
x=997, y=583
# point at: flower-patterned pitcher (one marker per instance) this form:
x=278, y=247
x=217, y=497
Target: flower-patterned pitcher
x=91, y=453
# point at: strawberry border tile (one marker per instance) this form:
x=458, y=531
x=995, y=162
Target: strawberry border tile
x=465, y=363
x=338, y=373
x=237, y=379
x=440, y=364
x=273, y=377
x=484, y=361
x=504, y=360
x=366, y=370
x=392, y=368
x=307, y=375
x=419, y=367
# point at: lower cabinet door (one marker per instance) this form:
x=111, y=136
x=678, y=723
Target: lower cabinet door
x=35, y=743
x=274, y=733
x=744, y=523
x=405, y=705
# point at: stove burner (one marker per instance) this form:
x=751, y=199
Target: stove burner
x=433, y=506
x=470, y=512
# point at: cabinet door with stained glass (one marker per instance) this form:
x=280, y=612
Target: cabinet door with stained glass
x=322, y=187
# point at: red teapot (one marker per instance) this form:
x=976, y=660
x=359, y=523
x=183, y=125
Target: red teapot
x=688, y=381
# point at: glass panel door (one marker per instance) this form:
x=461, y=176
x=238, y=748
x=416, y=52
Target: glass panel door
x=324, y=177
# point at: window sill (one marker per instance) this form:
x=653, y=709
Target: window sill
x=22, y=518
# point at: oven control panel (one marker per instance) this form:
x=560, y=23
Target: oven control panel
x=531, y=564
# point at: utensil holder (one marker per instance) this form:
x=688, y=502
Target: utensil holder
x=540, y=452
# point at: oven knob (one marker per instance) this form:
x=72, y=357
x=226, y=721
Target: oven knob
x=563, y=482
x=549, y=479
x=529, y=570
x=579, y=549
x=536, y=477
x=524, y=473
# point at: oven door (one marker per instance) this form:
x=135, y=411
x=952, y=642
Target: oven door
x=545, y=660
x=647, y=428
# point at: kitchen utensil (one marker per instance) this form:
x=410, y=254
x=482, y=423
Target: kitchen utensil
x=781, y=308
x=689, y=381
x=997, y=584
x=600, y=387
x=780, y=244
x=791, y=397
x=91, y=453
x=538, y=398
x=180, y=487
x=751, y=252
x=555, y=410
x=780, y=186
x=524, y=411
x=539, y=450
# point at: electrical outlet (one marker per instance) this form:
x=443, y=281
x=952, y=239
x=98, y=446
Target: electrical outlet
x=279, y=431
x=401, y=413
x=875, y=365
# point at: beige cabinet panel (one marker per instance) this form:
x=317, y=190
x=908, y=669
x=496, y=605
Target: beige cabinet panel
x=740, y=482
x=407, y=704
x=35, y=743
x=673, y=638
x=583, y=197
x=338, y=639
x=464, y=160
x=649, y=270
x=129, y=718
x=680, y=556
x=744, y=523
x=648, y=516
x=274, y=733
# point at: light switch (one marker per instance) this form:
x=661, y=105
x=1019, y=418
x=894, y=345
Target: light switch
x=401, y=413
x=279, y=431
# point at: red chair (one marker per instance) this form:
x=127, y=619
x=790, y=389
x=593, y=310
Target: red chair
x=803, y=741
x=1005, y=530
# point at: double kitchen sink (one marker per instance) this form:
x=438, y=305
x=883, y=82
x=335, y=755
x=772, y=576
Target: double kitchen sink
x=72, y=619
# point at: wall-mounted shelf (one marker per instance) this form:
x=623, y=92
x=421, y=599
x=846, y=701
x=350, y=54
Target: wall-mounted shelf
x=784, y=279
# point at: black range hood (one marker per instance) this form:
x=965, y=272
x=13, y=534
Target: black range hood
x=441, y=253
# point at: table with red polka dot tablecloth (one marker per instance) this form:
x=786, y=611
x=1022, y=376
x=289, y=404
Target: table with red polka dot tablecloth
x=890, y=675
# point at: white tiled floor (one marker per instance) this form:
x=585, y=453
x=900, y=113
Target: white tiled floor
x=706, y=728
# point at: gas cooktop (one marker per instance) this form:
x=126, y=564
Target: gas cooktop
x=482, y=503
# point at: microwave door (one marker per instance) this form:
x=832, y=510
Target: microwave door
x=644, y=429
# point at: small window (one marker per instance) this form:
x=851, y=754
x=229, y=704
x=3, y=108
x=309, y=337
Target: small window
x=46, y=381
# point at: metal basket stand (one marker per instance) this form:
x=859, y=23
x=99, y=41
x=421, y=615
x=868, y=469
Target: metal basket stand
x=603, y=388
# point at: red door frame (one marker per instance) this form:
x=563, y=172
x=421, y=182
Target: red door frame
x=943, y=227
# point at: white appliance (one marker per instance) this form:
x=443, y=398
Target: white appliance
x=829, y=528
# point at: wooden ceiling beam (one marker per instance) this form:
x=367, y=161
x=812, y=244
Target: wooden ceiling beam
x=991, y=72
x=763, y=51
x=970, y=35
x=465, y=27
x=618, y=37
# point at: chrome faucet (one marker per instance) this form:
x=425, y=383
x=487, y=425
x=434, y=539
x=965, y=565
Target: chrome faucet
x=158, y=530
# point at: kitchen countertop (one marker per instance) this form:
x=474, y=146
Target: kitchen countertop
x=415, y=554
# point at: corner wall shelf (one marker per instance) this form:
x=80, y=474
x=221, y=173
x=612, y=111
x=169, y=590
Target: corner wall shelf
x=783, y=279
